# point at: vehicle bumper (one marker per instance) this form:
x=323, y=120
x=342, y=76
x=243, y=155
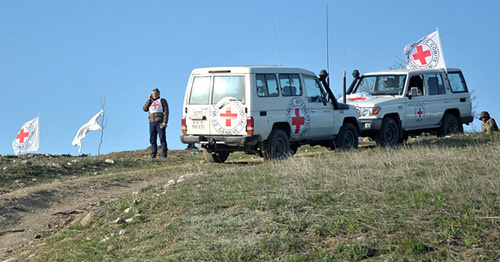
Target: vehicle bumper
x=370, y=126
x=231, y=141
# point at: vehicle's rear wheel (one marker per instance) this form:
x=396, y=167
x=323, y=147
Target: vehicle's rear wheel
x=449, y=126
x=216, y=157
x=293, y=149
x=388, y=134
x=347, y=138
x=277, y=146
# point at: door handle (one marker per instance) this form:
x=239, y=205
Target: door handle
x=198, y=117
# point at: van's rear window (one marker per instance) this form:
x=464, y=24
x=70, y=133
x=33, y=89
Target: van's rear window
x=229, y=86
x=200, y=90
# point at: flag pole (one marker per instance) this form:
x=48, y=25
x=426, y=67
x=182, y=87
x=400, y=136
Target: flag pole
x=38, y=132
x=442, y=52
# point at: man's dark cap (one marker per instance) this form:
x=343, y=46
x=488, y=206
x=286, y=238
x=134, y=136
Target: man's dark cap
x=484, y=114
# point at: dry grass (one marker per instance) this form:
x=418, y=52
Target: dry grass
x=427, y=200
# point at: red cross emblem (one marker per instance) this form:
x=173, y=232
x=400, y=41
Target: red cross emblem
x=297, y=120
x=420, y=112
x=22, y=135
x=421, y=55
x=229, y=116
x=155, y=105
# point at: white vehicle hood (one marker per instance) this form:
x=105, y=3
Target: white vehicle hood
x=367, y=100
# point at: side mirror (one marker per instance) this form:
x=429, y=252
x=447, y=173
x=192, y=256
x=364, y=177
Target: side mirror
x=355, y=74
x=414, y=91
x=322, y=75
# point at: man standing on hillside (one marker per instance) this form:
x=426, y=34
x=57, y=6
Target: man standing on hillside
x=158, y=119
x=488, y=126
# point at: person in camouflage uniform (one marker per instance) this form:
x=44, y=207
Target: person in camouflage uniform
x=488, y=126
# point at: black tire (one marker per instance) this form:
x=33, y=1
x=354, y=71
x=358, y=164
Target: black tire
x=449, y=126
x=293, y=149
x=277, y=146
x=216, y=157
x=347, y=138
x=388, y=134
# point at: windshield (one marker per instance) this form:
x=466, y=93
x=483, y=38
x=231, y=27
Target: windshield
x=381, y=85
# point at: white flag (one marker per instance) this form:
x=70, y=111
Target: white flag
x=28, y=139
x=425, y=53
x=89, y=126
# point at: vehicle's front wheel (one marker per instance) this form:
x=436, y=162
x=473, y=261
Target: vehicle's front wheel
x=277, y=146
x=347, y=138
x=216, y=157
x=388, y=134
x=449, y=125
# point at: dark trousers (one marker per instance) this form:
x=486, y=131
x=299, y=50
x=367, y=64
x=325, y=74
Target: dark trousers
x=154, y=130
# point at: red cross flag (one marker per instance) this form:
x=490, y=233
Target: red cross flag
x=425, y=53
x=28, y=139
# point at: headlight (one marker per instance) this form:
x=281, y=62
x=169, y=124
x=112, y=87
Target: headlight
x=368, y=111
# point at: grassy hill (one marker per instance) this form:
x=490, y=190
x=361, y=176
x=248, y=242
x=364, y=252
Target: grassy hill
x=430, y=199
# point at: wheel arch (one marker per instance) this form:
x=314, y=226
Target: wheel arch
x=285, y=126
x=394, y=116
x=452, y=111
x=456, y=113
x=352, y=120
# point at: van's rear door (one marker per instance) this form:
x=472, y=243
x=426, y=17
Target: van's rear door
x=197, y=106
x=228, y=105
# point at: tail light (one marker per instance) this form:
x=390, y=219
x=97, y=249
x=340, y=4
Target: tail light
x=183, y=125
x=250, y=124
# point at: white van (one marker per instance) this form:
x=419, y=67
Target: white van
x=265, y=110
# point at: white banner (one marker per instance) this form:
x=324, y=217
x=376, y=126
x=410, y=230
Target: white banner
x=91, y=125
x=425, y=53
x=28, y=139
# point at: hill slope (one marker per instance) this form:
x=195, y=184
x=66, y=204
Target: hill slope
x=431, y=199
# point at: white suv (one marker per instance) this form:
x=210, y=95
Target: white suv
x=265, y=110
x=397, y=103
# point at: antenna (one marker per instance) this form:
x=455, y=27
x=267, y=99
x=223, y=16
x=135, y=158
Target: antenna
x=276, y=35
x=327, y=51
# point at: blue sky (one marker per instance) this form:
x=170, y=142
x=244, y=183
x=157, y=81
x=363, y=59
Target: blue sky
x=62, y=58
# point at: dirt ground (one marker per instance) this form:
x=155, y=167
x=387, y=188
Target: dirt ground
x=29, y=215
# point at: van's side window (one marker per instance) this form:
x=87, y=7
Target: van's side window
x=200, y=90
x=457, y=82
x=434, y=84
x=233, y=86
x=313, y=89
x=267, y=85
x=290, y=85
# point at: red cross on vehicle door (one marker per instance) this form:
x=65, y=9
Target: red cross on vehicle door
x=419, y=112
x=297, y=120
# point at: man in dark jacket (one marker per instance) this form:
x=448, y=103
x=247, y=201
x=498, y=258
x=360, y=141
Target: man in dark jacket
x=158, y=119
